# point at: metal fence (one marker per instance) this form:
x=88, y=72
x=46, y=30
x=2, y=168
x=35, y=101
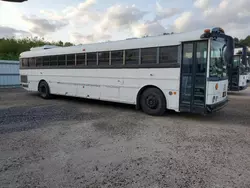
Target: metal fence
x=9, y=74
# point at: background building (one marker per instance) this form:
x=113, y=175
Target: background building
x=9, y=74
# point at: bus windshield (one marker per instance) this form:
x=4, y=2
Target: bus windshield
x=218, y=65
x=237, y=63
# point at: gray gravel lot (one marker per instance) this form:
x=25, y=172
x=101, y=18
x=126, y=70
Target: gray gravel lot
x=69, y=142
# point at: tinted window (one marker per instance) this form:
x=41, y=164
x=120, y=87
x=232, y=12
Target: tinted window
x=53, y=60
x=169, y=54
x=61, y=60
x=91, y=59
x=103, y=58
x=25, y=62
x=32, y=62
x=148, y=56
x=187, y=69
x=71, y=59
x=132, y=57
x=117, y=57
x=46, y=61
x=80, y=59
x=39, y=61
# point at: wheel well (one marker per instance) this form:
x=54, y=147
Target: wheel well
x=40, y=83
x=138, y=106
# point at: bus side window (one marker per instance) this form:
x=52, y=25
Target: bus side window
x=71, y=60
x=53, y=60
x=39, y=61
x=46, y=61
x=92, y=59
x=132, y=57
x=25, y=62
x=117, y=57
x=148, y=55
x=61, y=60
x=32, y=62
x=80, y=59
x=103, y=58
x=169, y=54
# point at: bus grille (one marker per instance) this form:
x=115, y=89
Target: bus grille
x=24, y=79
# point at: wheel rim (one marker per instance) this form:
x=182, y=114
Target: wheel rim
x=152, y=102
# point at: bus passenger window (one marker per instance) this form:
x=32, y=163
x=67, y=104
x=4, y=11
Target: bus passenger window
x=169, y=54
x=132, y=57
x=91, y=59
x=71, y=60
x=39, y=61
x=148, y=55
x=32, y=62
x=80, y=59
x=25, y=62
x=46, y=61
x=53, y=60
x=117, y=57
x=103, y=58
x=61, y=60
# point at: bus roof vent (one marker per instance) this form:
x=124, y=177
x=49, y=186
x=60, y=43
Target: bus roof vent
x=45, y=47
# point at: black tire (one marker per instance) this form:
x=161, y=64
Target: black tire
x=153, y=102
x=44, y=90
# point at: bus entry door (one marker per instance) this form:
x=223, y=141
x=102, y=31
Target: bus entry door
x=193, y=76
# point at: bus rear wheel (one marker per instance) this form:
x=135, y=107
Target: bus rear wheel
x=44, y=91
x=153, y=102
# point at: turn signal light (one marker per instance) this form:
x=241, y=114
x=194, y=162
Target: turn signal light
x=216, y=86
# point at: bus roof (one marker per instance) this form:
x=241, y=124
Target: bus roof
x=146, y=42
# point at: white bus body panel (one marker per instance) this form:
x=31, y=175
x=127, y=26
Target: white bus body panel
x=118, y=85
x=248, y=76
x=243, y=80
x=218, y=94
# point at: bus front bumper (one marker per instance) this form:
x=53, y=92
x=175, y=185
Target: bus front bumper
x=217, y=106
x=243, y=87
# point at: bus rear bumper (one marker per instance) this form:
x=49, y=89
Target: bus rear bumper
x=217, y=106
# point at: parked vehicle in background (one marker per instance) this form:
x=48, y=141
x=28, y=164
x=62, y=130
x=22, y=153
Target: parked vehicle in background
x=238, y=70
x=185, y=72
x=248, y=67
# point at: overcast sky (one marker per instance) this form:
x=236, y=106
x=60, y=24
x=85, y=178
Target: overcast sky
x=84, y=21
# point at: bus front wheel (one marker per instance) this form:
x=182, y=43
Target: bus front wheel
x=153, y=102
x=43, y=89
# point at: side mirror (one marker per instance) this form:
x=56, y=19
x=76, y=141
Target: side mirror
x=229, y=51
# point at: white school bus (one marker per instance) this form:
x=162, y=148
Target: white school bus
x=237, y=71
x=184, y=72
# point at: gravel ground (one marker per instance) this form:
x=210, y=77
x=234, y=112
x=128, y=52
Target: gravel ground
x=69, y=142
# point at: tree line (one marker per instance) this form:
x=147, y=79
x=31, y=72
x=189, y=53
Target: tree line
x=10, y=48
x=245, y=41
